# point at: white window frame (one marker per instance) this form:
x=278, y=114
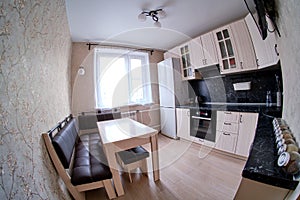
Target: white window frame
x=127, y=55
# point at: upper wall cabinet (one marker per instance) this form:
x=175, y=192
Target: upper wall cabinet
x=235, y=48
x=188, y=61
x=266, y=50
x=172, y=53
x=205, y=51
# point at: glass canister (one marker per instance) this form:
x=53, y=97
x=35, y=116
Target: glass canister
x=287, y=134
x=290, y=161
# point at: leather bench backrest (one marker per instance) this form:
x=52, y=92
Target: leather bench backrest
x=87, y=122
x=64, y=142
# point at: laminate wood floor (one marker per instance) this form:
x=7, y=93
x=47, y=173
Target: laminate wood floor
x=187, y=171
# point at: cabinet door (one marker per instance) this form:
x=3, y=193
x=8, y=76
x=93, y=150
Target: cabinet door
x=227, y=52
x=197, y=56
x=231, y=116
x=265, y=50
x=183, y=123
x=209, y=49
x=188, y=70
x=226, y=141
x=247, y=128
x=244, y=46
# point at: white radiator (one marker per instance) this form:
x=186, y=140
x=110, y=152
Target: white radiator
x=129, y=114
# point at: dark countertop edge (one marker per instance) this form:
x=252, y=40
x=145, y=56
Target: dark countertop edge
x=273, y=181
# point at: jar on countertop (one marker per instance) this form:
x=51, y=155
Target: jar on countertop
x=286, y=148
x=290, y=161
x=287, y=134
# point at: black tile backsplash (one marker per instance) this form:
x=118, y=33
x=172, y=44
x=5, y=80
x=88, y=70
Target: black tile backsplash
x=220, y=88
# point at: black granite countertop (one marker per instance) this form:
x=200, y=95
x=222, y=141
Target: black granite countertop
x=262, y=165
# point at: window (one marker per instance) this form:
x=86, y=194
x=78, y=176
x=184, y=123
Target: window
x=122, y=77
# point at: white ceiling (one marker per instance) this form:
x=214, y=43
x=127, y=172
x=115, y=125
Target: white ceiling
x=116, y=22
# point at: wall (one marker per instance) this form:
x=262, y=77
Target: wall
x=83, y=86
x=35, y=49
x=289, y=46
x=220, y=89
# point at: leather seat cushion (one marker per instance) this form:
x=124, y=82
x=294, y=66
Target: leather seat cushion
x=133, y=155
x=90, y=163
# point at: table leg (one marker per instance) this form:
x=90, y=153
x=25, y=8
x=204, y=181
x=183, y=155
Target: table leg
x=112, y=162
x=154, y=152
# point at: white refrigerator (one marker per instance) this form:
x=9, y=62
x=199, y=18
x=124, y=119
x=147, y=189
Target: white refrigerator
x=172, y=92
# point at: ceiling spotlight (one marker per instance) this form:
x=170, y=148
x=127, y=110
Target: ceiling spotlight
x=154, y=14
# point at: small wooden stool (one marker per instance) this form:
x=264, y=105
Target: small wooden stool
x=132, y=159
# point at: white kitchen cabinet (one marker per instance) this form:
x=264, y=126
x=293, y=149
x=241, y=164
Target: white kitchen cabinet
x=265, y=50
x=172, y=53
x=244, y=46
x=247, y=128
x=227, y=52
x=235, y=131
x=235, y=48
x=226, y=141
x=227, y=130
x=183, y=123
x=187, y=61
x=207, y=54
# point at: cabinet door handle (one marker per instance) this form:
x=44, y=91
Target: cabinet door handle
x=241, y=118
x=226, y=133
x=227, y=123
x=276, y=49
x=241, y=65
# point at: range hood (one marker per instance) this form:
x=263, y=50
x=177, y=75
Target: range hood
x=208, y=72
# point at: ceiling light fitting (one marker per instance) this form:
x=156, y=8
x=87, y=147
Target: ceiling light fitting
x=81, y=71
x=155, y=14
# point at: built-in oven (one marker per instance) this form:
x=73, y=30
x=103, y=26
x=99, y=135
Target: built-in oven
x=203, y=124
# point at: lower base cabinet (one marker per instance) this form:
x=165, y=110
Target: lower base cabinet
x=235, y=131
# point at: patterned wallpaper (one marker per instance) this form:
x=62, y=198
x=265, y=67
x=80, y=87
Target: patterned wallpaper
x=35, y=51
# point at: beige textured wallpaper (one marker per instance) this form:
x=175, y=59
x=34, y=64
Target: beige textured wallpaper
x=83, y=86
x=35, y=50
x=289, y=47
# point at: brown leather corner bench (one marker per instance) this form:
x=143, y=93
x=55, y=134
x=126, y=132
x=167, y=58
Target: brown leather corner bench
x=79, y=160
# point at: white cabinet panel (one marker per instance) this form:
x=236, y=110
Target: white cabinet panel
x=183, y=123
x=230, y=127
x=247, y=128
x=265, y=50
x=231, y=117
x=209, y=49
x=244, y=46
x=226, y=141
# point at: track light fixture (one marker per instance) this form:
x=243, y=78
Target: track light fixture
x=154, y=14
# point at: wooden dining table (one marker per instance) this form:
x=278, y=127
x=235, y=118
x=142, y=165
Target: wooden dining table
x=122, y=134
